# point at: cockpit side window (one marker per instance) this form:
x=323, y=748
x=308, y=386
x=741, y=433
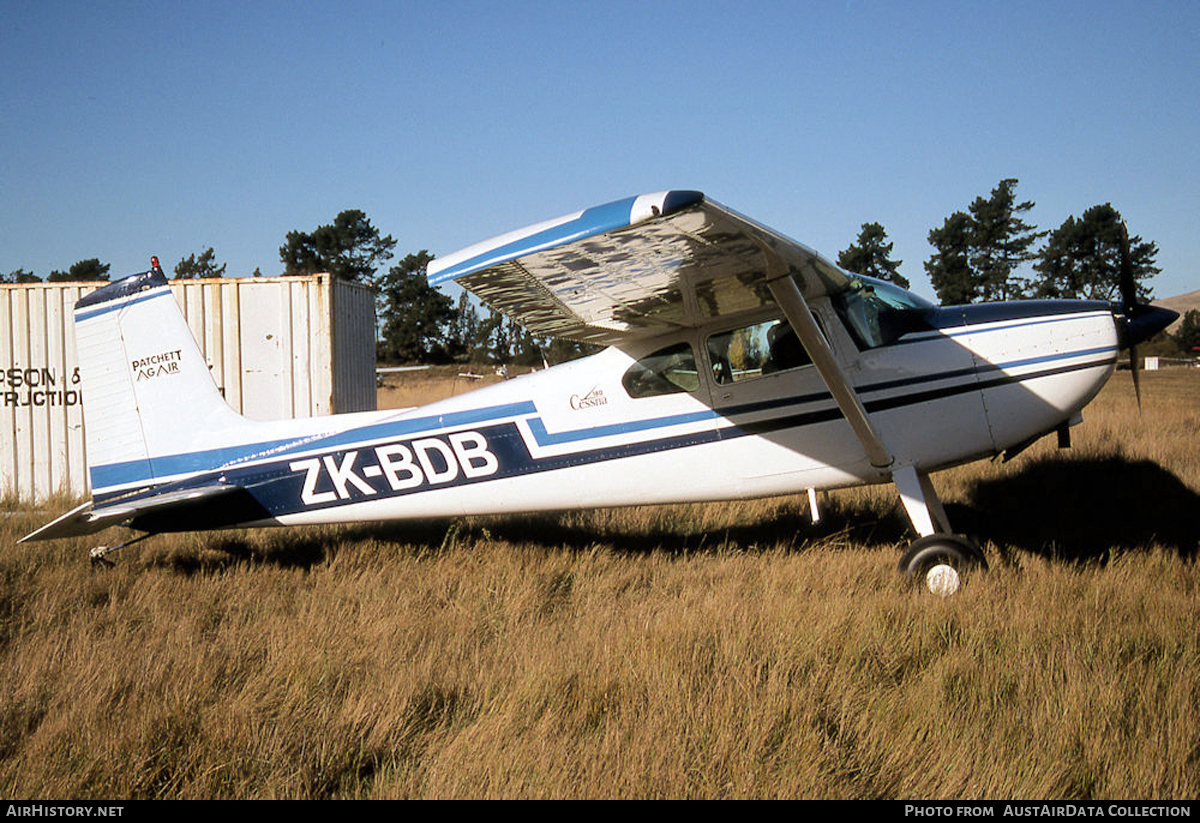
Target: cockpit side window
x=752, y=351
x=878, y=313
x=669, y=370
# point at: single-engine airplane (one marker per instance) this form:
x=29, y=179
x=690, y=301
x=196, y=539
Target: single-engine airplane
x=739, y=363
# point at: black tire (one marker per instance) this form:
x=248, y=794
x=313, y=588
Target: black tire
x=957, y=556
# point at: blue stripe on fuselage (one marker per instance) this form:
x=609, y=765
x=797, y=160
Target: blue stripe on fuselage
x=287, y=487
x=956, y=321
x=546, y=438
x=124, y=474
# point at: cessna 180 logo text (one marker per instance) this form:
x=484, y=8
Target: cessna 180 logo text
x=590, y=400
x=430, y=461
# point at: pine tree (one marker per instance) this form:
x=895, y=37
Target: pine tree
x=1001, y=241
x=1082, y=258
x=1188, y=335
x=949, y=269
x=20, y=276
x=979, y=254
x=871, y=256
x=464, y=329
x=83, y=271
x=193, y=267
x=350, y=248
x=415, y=315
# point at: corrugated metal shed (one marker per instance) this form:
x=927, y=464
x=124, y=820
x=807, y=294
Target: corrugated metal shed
x=277, y=347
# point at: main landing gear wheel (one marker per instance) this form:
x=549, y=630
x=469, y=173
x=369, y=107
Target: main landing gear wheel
x=941, y=561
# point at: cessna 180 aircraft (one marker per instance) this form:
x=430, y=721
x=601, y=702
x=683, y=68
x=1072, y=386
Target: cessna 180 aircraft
x=739, y=363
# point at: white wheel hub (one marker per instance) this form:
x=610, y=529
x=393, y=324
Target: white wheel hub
x=942, y=580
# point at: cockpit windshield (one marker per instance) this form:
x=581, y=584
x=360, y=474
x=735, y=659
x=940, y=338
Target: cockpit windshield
x=879, y=313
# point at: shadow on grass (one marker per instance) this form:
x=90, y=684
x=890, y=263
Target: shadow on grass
x=302, y=548
x=790, y=531
x=1083, y=510
x=221, y=551
x=1068, y=510
x=296, y=548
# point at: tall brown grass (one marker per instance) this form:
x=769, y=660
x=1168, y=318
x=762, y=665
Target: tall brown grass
x=722, y=651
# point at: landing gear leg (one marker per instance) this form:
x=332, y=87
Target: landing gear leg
x=939, y=559
x=920, y=500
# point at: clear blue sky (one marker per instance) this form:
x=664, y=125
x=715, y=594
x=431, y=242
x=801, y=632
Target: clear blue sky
x=137, y=128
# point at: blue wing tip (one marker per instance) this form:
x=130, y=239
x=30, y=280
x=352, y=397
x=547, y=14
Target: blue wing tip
x=589, y=222
x=676, y=200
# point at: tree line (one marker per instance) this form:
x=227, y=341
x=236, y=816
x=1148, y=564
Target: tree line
x=417, y=323
x=92, y=270
x=986, y=252
x=989, y=252
x=980, y=254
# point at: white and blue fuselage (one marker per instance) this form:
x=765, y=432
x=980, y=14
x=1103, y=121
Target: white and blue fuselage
x=967, y=382
x=739, y=364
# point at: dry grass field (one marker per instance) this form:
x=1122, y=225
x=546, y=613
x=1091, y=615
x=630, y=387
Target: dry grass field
x=717, y=651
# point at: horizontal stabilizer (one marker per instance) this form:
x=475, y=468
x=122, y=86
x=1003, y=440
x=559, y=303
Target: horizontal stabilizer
x=89, y=519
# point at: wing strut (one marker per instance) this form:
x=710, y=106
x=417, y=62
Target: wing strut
x=795, y=308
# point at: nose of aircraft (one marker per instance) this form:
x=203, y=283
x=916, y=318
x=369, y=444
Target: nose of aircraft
x=1142, y=322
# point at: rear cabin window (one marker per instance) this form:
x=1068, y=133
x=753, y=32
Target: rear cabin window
x=669, y=370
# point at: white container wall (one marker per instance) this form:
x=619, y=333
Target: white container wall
x=41, y=416
x=277, y=346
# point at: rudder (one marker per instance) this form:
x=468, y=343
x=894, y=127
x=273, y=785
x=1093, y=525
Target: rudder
x=148, y=392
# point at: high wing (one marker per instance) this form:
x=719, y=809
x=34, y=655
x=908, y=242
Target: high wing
x=636, y=267
x=644, y=265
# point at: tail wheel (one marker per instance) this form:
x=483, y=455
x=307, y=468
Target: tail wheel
x=941, y=561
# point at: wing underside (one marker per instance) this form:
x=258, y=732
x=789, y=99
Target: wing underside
x=647, y=265
x=652, y=264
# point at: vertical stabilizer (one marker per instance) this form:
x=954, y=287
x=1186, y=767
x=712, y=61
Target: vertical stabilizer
x=148, y=393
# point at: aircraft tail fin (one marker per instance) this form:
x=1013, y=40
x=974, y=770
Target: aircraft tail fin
x=148, y=393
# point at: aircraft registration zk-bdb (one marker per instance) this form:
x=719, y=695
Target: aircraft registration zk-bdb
x=739, y=364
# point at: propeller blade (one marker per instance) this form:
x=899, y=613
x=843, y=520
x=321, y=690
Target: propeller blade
x=1128, y=304
x=1139, y=321
x=1137, y=386
x=1127, y=284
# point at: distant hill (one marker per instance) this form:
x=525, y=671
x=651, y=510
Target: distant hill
x=1182, y=303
